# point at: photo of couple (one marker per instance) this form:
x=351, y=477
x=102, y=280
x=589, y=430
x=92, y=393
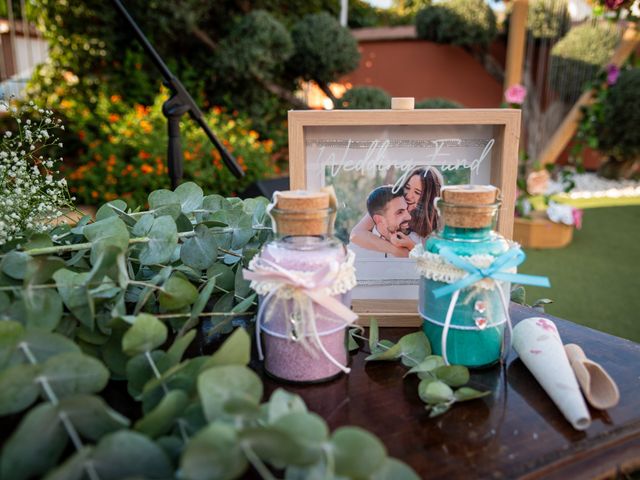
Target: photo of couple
x=398, y=216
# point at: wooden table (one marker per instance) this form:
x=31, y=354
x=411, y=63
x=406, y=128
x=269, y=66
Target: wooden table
x=517, y=432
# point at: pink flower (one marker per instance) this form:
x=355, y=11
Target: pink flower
x=613, y=72
x=515, y=94
x=577, y=217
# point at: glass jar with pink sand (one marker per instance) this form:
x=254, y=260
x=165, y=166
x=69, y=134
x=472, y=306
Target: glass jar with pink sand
x=304, y=277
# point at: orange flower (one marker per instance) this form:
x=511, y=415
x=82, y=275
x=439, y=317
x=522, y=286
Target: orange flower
x=146, y=126
x=114, y=117
x=141, y=110
x=217, y=110
x=112, y=160
x=188, y=155
x=115, y=98
x=144, y=155
x=108, y=196
x=146, y=168
x=94, y=194
x=253, y=134
x=81, y=135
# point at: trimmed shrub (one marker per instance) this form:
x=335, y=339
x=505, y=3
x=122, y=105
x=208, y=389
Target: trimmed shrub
x=437, y=103
x=619, y=132
x=360, y=98
x=457, y=22
x=324, y=50
x=548, y=18
x=576, y=59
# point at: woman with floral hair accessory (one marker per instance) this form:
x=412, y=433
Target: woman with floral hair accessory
x=420, y=190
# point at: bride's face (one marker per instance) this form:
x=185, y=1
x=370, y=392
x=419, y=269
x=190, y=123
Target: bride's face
x=413, y=192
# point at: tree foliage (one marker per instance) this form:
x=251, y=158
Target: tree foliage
x=577, y=58
x=457, y=22
x=359, y=98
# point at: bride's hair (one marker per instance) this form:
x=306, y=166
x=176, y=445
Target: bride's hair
x=424, y=219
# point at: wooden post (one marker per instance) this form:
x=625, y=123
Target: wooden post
x=516, y=43
x=568, y=127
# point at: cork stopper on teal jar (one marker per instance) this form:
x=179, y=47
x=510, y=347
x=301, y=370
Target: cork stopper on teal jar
x=304, y=278
x=467, y=325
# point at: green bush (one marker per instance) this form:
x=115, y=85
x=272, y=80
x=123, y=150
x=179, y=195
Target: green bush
x=126, y=156
x=364, y=98
x=437, y=103
x=619, y=132
x=457, y=22
x=576, y=59
x=548, y=18
x=324, y=50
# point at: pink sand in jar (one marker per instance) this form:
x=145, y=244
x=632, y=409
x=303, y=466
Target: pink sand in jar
x=289, y=359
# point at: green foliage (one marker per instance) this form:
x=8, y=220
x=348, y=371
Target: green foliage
x=127, y=147
x=457, y=22
x=548, y=19
x=359, y=98
x=618, y=133
x=436, y=378
x=324, y=50
x=437, y=103
x=577, y=58
x=131, y=306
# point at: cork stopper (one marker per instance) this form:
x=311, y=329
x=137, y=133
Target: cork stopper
x=469, y=206
x=301, y=212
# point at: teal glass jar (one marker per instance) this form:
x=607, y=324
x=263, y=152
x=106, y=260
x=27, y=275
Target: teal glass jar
x=475, y=331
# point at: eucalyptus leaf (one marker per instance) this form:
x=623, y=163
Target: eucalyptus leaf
x=163, y=239
x=143, y=225
x=91, y=416
x=126, y=454
x=139, y=371
x=214, y=453
x=18, y=388
x=35, y=446
x=236, y=350
x=44, y=345
x=202, y=300
x=14, y=264
x=177, y=292
x=218, y=385
x=242, y=232
x=113, y=356
x=429, y=364
x=39, y=240
x=357, y=453
x=415, y=348
x=283, y=403
x=201, y=250
x=518, y=294
x=278, y=447
x=73, y=468
x=308, y=431
x=75, y=295
x=373, y=336
x=109, y=232
x=241, y=286
x=146, y=333
x=438, y=409
x=190, y=196
x=165, y=202
x=69, y=373
x=393, y=469
x=162, y=418
x=393, y=352
x=466, y=393
x=453, y=375
x=178, y=347
x=434, y=391
x=43, y=308
x=11, y=333
x=352, y=343
x=40, y=269
x=225, y=277
x=107, y=210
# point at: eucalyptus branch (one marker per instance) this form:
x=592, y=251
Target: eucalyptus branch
x=204, y=314
x=64, y=418
x=384, y=347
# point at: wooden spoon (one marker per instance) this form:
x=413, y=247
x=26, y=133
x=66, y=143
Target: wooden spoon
x=597, y=386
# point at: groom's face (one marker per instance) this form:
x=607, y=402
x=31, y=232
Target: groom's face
x=394, y=218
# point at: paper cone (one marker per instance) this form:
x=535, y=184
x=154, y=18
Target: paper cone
x=538, y=344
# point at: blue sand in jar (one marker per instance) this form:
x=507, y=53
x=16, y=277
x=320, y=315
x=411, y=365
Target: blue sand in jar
x=472, y=348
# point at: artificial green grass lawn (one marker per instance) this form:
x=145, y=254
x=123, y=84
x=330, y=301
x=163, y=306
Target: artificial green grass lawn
x=595, y=281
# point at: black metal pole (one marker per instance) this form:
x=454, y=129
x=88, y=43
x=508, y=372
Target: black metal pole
x=179, y=103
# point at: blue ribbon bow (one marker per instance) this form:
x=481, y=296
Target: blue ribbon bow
x=511, y=258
